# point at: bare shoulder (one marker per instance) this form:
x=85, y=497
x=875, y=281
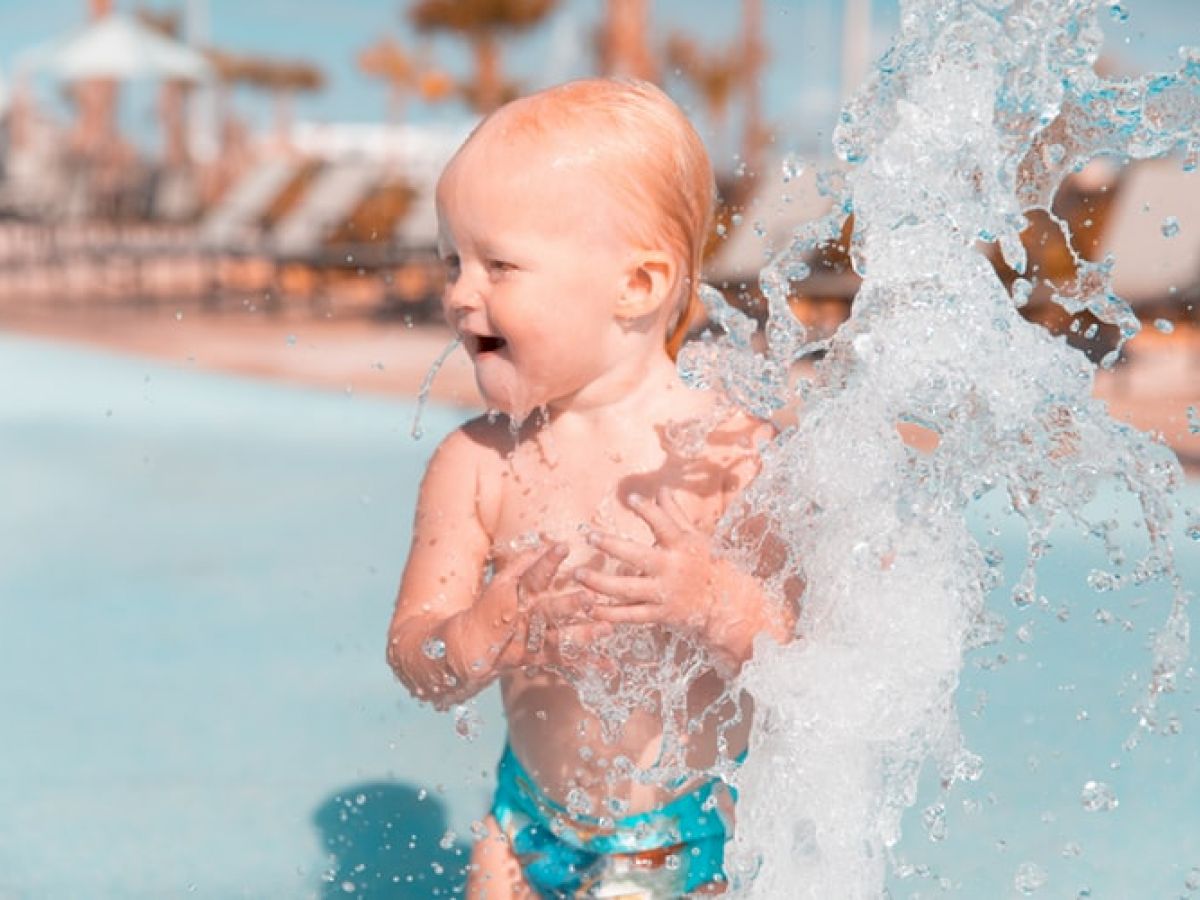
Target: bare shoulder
x=477, y=442
x=734, y=443
x=468, y=464
x=736, y=434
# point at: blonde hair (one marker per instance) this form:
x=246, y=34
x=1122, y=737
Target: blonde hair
x=653, y=159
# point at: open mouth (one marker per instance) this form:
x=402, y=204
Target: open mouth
x=486, y=343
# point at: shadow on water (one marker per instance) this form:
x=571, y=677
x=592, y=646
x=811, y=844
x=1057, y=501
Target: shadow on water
x=388, y=839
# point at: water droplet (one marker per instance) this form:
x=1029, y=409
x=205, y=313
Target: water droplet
x=1118, y=13
x=1102, y=582
x=179, y=315
x=1097, y=796
x=466, y=722
x=290, y=340
x=1193, y=418
x=349, y=887
x=1071, y=850
x=1030, y=877
x=1023, y=596
x=447, y=840
x=792, y=168
x=934, y=820
x=797, y=271
x=434, y=648
x=1170, y=227
x=1022, y=289
x=1166, y=326
x=1192, y=881
x=1192, y=530
x=579, y=803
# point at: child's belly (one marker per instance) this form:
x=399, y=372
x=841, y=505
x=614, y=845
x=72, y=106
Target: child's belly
x=559, y=742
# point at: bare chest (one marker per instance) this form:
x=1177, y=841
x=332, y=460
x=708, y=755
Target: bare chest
x=563, y=494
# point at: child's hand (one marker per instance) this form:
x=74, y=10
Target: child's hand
x=546, y=627
x=674, y=582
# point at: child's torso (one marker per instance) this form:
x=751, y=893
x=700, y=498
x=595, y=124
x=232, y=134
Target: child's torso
x=551, y=489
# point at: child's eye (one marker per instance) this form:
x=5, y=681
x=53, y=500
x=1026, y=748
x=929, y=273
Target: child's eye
x=499, y=266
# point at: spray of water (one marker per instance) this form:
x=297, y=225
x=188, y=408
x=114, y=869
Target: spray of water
x=418, y=431
x=972, y=119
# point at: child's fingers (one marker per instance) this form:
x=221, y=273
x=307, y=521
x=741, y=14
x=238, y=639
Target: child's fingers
x=540, y=573
x=639, y=556
x=560, y=608
x=669, y=505
x=630, y=614
x=665, y=529
x=582, y=635
x=631, y=588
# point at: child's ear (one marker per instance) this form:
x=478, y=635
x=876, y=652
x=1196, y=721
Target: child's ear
x=649, y=284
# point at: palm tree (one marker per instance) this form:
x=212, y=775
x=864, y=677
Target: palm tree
x=387, y=60
x=753, y=55
x=481, y=22
x=624, y=50
x=715, y=74
x=282, y=78
x=719, y=75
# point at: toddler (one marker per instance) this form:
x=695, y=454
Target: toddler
x=565, y=539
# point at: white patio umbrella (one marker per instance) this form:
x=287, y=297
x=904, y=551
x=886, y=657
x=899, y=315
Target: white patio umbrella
x=117, y=47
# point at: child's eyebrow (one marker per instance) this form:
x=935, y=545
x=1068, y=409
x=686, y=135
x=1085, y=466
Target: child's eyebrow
x=492, y=248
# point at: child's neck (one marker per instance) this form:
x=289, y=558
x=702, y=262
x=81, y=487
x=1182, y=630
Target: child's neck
x=629, y=394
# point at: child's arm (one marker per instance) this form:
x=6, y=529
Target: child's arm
x=681, y=583
x=451, y=633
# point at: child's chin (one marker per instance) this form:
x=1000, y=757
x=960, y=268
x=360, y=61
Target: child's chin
x=499, y=397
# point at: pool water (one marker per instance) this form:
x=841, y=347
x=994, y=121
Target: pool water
x=197, y=575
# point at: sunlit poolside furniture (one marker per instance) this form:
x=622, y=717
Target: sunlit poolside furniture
x=349, y=238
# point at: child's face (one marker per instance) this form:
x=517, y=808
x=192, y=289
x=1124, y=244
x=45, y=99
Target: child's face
x=535, y=264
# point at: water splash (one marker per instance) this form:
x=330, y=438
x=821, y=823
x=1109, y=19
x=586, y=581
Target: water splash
x=972, y=119
x=427, y=385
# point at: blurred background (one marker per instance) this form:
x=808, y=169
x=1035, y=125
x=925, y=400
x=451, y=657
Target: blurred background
x=237, y=165
x=219, y=300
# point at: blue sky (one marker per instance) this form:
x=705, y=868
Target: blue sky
x=801, y=85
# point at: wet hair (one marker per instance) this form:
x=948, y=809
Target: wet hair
x=643, y=145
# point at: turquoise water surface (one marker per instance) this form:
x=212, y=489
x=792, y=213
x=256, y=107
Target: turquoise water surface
x=197, y=576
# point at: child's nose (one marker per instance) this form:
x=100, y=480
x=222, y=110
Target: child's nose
x=461, y=297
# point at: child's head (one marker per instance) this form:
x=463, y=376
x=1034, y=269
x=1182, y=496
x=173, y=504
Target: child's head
x=630, y=141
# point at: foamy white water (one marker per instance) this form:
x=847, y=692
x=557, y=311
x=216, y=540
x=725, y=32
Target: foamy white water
x=974, y=117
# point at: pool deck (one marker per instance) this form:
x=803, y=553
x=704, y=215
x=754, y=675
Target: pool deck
x=1152, y=389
